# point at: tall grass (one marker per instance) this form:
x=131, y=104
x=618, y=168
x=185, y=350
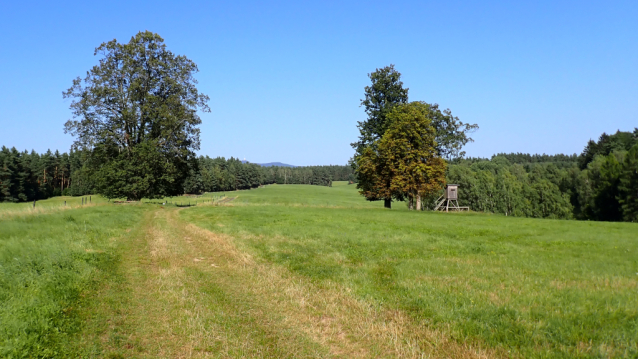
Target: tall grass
x=530, y=287
x=47, y=262
x=54, y=204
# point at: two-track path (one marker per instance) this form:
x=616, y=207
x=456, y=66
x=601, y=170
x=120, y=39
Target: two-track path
x=187, y=292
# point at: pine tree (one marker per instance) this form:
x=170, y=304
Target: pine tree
x=628, y=188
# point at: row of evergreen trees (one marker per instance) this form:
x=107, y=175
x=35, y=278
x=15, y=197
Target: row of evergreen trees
x=28, y=176
x=220, y=174
x=599, y=184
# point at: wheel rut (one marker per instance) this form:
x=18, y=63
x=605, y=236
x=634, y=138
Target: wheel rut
x=193, y=293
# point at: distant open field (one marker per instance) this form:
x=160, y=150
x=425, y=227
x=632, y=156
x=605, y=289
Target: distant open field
x=307, y=271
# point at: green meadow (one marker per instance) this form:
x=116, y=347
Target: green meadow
x=536, y=287
x=310, y=271
x=48, y=261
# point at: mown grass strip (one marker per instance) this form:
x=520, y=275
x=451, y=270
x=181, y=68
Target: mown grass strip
x=534, y=288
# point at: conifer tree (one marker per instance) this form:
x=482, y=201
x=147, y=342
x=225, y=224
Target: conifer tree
x=628, y=189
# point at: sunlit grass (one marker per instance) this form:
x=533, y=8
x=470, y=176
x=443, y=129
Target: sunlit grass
x=47, y=262
x=309, y=271
x=534, y=287
x=49, y=205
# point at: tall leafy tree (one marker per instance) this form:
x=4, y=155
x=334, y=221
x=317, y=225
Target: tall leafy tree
x=405, y=163
x=136, y=114
x=385, y=92
x=628, y=188
x=606, y=193
x=409, y=147
x=375, y=176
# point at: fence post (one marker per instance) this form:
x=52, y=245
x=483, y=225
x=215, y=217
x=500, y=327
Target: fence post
x=34, y=203
x=64, y=203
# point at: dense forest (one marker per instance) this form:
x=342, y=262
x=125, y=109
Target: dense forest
x=220, y=174
x=601, y=183
x=28, y=176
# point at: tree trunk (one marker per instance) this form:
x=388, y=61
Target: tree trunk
x=418, y=202
x=387, y=203
x=410, y=203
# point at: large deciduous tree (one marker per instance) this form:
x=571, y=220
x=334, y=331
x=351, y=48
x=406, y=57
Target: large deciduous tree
x=136, y=114
x=405, y=162
x=409, y=145
x=385, y=93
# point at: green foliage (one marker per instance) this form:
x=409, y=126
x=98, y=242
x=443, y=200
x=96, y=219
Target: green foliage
x=385, y=92
x=554, y=186
x=406, y=158
x=142, y=172
x=219, y=174
x=528, y=160
x=137, y=112
x=628, y=187
x=620, y=141
x=606, y=181
x=375, y=171
x=499, y=187
x=31, y=176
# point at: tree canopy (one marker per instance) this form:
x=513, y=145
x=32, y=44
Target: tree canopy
x=405, y=162
x=385, y=92
x=451, y=133
x=136, y=114
x=409, y=147
x=382, y=97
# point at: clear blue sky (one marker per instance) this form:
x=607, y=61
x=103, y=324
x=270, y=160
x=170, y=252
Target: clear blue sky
x=285, y=78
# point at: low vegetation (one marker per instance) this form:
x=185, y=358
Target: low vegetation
x=310, y=271
x=48, y=261
x=534, y=288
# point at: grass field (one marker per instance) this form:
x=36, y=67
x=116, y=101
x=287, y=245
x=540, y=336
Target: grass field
x=47, y=263
x=306, y=271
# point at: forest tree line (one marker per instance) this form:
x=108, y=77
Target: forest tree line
x=407, y=151
x=220, y=174
x=599, y=184
x=28, y=176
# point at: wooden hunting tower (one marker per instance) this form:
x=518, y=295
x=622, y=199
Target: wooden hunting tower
x=451, y=191
x=449, y=200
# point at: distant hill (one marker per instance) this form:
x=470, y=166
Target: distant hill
x=278, y=164
x=271, y=164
